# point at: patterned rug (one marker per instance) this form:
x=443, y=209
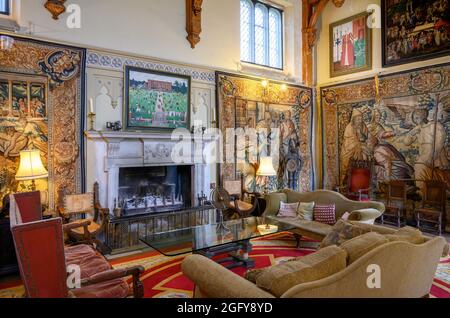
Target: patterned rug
x=163, y=277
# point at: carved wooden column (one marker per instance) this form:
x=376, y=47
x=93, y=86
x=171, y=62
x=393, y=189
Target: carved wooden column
x=312, y=9
x=194, y=21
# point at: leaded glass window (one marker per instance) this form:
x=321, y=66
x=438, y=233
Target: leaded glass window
x=261, y=34
x=4, y=7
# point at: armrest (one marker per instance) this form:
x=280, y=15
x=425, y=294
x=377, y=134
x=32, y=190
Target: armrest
x=75, y=225
x=136, y=271
x=216, y=281
x=103, y=211
x=273, y=203
x=365, y=215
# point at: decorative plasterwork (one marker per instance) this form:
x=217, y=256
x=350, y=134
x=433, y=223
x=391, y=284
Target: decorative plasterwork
x=117, y=62
x=193, y=21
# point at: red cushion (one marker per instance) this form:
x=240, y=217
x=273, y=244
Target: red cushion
x=360, y=179
x=325, y=214
x=90, y=261
x=116, y=288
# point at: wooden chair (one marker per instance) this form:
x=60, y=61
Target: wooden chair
x=431, y=212
x=359, y=181
x=243, y=203
x=77, y=208
x=396, y=201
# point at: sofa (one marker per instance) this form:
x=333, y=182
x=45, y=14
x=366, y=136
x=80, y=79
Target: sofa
x=407, y=271
x=364, y=212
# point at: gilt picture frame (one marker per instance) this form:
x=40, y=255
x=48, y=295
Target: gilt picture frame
x=350, y=45
x=156, y=100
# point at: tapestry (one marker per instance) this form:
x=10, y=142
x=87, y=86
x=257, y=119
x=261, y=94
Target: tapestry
x=41, y=107
x=400, y=121
x=278, y=114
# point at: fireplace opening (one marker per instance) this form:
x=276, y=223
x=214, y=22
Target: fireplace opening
x=145, y=190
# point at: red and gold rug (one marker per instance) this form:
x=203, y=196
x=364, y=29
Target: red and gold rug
x=163, y=277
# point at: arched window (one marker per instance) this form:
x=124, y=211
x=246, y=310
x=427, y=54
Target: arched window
x=4, y=7
x=261, y=34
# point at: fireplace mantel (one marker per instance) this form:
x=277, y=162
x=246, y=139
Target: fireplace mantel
x=110, y=151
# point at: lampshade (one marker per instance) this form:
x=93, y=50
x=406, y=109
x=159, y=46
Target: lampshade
x=266, y=167
x=31, y=166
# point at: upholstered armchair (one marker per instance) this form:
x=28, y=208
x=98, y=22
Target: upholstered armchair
x=44, y=260
x=78, y=208
x=359, y=181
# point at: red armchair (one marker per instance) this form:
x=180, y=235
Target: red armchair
x=359, y=181
x=43, y=259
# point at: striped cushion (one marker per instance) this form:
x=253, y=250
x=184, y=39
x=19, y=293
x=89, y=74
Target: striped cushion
x=325, y=213
x=288, y=210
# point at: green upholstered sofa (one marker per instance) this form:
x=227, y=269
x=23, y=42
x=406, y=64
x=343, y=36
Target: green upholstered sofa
x=364, y=212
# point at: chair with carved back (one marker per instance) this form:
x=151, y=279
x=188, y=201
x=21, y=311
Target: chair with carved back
x=76, y=208
x=431, y=213
x=360, y=181
x=243, y=203
x=396, y=203
x=44, y=259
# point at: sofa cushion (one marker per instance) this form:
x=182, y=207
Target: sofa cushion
x=305, y=211
x=288, y=209
x=307, y=226
x=280, y=278
x=325, y=213
x=90, y=261
x=360, y=245
x=342, y=231
x=407, y=234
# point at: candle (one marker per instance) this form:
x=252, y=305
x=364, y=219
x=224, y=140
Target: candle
x=91, y=103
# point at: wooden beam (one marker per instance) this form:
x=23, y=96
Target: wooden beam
x=312, y=9
x=193, y=21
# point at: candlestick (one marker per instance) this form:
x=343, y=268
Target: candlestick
x=91, y=116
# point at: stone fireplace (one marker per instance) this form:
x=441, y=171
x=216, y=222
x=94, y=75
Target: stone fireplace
x=136, y=173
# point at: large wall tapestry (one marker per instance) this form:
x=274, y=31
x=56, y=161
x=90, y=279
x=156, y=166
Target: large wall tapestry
x=244, y=103
x=403, y=124
x=41, y=106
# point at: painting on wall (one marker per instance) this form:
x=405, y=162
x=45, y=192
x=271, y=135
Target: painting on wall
x=156, y=100
x=404, y=128
x=415, y=30
x=350, y=45
x=276, y=121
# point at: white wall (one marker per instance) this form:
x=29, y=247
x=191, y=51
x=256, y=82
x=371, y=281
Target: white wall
x=153, y=28
x=352, y=7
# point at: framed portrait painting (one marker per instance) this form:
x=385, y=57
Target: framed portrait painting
x=415, y=30
x=350, y=45
x=156, y=100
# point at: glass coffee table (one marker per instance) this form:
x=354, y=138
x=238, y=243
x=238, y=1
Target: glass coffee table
x=230, y=237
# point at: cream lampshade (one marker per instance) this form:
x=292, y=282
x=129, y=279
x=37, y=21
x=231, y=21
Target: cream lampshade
x=31, y=167
x=266, y=170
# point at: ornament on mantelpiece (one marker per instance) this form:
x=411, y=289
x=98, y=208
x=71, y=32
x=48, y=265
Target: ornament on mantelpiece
x=55, y=7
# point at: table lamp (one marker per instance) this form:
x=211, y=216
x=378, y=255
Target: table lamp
x=266, y=170
x=31, y=167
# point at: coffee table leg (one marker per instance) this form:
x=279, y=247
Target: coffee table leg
x=235, y=258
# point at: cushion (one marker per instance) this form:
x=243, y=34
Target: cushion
x=360, y=245
x=325, y=213
x=305, y=211
x=280, y=278
x=90, y=261
x=342, y=231
x=407, y=234
x=288, y=210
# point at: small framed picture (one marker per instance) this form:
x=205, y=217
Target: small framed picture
x=156, y=100
x=350, y=45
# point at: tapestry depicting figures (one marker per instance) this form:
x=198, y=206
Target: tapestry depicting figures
x=402, y=123
x=41, y=103
x=276, y=120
